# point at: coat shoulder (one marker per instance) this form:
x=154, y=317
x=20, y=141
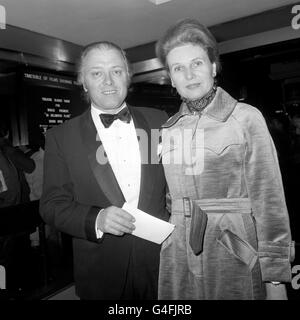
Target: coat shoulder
x=154, y=117
x=250, y=119
x=246, y=111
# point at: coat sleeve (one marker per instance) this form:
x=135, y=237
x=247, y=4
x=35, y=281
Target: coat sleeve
x=265, y=190
x=57, y=204
x=21, y=160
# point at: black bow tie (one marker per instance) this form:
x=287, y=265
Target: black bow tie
x=107, y=118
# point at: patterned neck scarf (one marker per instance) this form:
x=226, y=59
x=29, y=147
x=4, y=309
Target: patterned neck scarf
x=197, y=106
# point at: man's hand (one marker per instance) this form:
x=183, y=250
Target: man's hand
x=116, y=221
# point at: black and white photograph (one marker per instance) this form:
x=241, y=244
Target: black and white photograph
x=149, y=153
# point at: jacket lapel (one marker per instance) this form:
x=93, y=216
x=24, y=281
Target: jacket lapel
x=101, y=168
x=147, y=170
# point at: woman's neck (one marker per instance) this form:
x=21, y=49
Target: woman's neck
x=198, y=105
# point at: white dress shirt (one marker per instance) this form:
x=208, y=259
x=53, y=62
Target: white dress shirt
x=122, y=149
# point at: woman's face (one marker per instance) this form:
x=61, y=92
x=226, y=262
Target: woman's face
x=191, y=71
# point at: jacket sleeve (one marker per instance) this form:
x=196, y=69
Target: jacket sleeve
x=20, y=160
x=265, y=190
x=57, y=204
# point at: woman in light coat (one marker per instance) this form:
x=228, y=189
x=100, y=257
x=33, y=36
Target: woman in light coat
x=232, y=238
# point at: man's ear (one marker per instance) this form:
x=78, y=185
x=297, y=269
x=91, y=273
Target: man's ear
x=172, y=83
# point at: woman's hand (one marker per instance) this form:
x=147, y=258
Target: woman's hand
x=276, y=292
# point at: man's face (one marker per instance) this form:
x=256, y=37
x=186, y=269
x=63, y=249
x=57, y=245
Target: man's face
x=105, y=77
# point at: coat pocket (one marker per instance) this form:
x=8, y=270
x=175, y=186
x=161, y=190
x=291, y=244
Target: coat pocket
x=197, y=230
x=194, y=262
x=219, y=138
x=238, y=247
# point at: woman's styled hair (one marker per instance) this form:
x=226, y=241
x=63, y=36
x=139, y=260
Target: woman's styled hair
x=100, y=46
x=188, y=31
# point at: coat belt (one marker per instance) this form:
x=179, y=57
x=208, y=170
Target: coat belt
x=223, y=205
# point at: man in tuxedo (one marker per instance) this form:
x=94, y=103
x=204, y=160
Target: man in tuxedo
x=95, y=163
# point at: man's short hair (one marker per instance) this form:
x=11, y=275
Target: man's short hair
x=100, y=45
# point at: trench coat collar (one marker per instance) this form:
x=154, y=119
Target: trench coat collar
x=219, y=109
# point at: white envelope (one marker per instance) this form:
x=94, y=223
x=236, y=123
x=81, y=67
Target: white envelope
x=147, y=226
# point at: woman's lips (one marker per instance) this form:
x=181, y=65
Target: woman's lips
x=193, y=86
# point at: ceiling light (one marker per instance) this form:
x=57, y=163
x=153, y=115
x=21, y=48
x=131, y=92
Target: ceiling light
x=158, y=2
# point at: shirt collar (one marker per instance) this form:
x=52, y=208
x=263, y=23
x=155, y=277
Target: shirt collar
x=98, y=111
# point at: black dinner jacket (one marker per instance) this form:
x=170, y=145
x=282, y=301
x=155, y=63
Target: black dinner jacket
x=76, y=187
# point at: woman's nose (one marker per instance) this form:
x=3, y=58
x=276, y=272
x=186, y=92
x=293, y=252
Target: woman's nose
x=189, y=74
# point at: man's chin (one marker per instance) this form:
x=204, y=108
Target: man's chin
x=109, y=106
